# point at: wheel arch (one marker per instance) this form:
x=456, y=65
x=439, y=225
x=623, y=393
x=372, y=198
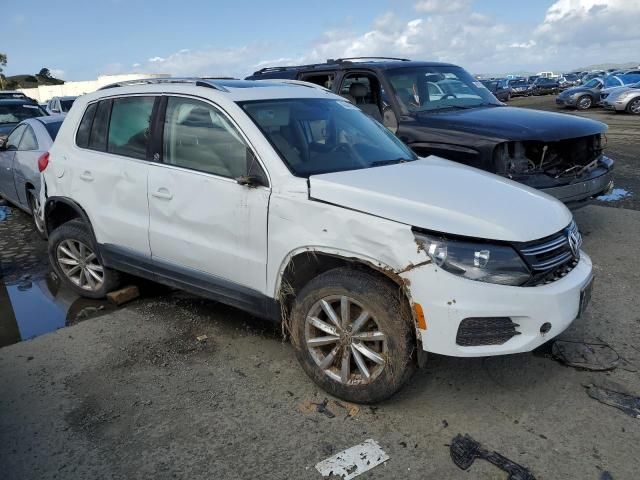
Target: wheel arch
x=60, y=210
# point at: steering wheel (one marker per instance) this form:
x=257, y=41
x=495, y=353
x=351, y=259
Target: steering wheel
x=448, y=95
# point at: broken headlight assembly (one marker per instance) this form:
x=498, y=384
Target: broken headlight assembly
x=484, y=262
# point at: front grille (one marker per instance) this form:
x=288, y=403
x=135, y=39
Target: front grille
x=478, y=331
x=553, y=257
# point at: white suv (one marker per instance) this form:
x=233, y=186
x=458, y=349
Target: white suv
x=287, y=201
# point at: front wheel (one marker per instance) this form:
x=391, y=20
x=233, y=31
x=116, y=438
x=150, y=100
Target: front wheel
x=353, y=336
x=584, y=102
x=634, y=106
x=72, y=254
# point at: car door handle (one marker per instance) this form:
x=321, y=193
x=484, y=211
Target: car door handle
x=163, y=193
x=86, y=176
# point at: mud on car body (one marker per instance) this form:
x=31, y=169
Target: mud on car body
x=440, y=109
x=287, y=201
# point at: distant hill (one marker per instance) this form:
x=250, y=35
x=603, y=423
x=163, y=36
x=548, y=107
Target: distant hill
x=29, y=81
x=607, y=66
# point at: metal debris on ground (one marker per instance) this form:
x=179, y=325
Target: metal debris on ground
x=353, y=461
x=330, y=408
x=201, y=338
x=587, y=356
x=124, y=295
x=626, y=402
x=464, y=450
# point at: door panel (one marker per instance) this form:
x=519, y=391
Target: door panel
x=26, y=166
x=200, y=217
x=7, y=159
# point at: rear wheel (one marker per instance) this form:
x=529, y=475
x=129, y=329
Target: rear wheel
x=352, y=335
x=584, y=102
x=34, y=205
x=634, y=106
x=73, y=255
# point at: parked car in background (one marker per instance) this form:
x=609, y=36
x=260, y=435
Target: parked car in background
x=13, y=111
x=622, y=82
x=416, y=101
x=532, y=78
x=591, y=75
x=14, y=95
x=545, y=86
x=582, y=97
x=60, y=105
x=569, y=80
x=323, y=219
x=624, y=99
x=500, y=88
x=19, y=157
x=519, y=87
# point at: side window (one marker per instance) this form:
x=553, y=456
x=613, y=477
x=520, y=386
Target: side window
x=130, y=125
x=82, y=136
x=98, y=135
x=14, y=138
x=324, y=79
x=28, y=141
x=197, y=136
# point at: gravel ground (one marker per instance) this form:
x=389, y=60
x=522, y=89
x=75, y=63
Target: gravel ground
x=134, y=394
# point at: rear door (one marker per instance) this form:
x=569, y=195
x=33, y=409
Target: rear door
x=203, y=223
x=7, y=157
x=110, y=169
x=25, y=164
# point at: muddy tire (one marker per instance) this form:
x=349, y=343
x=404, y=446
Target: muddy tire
x=34, y=206
x=360, y=348
x=73, y=255
x=585, y=102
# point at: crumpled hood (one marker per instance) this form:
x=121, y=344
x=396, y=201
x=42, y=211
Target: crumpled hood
x=447, y=197
x=513, y=123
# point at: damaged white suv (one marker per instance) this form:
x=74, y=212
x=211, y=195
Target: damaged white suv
x=283, y=199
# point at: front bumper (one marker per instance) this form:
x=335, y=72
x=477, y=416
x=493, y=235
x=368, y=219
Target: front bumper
x=619, y=106
x=447, y=300
x=566, y=101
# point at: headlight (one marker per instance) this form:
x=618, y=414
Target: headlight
x=483, y=262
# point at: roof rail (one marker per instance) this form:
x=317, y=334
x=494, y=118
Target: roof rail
x=200, y=82
x=301, y=83
x=283, y=68
x=348, y=59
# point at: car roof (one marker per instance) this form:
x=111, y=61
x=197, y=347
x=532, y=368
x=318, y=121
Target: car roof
x=67, y=98
x=349, y=64
x=16, y=101
x=231, y=89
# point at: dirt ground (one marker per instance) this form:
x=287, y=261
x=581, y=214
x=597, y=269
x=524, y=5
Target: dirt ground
x=133, y=394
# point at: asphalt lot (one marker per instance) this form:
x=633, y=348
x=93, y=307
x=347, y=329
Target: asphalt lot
x=132, y=393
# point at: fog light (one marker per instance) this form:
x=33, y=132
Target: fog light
x=545, y=328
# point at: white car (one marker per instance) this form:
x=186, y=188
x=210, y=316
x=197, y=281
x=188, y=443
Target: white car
x=287, y=201
x=60, y=105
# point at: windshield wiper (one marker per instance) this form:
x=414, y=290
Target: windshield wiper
x=389, y=162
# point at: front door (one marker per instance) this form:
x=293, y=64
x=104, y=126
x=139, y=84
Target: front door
x=202, y=221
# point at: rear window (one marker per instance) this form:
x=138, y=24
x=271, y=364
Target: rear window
x=129, y=129
x=52, y=129
x=15, y=113
x=82, y=137
x=98, y=135
x=66, y=104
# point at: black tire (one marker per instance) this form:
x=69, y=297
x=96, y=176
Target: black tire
x=77, y=230
x=392, y=317
x=634, y=104
x=585, y=102
x=38, y=224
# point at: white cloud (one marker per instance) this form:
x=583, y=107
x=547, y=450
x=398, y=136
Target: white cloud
x=155, y=59
x=439, y=7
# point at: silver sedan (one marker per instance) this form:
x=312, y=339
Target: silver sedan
x=19, y=154
x=624, y=99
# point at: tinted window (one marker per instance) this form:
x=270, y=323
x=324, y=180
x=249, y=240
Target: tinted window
x=52, y=129
x=28, y=141
x=319, y=135
x=98, y=135
x=129, y=129
x=197, y=136
x=82, y=137
x=16, y=112
x=66, y=104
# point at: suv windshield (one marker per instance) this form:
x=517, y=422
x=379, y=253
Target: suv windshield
x=320, y=135
x=14, y=113
x=431, y=88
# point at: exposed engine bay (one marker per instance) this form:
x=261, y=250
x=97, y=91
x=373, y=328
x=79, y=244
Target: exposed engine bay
x=560, y=162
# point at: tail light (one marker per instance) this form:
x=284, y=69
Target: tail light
x=43, y=161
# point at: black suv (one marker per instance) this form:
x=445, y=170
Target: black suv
x=440, y=109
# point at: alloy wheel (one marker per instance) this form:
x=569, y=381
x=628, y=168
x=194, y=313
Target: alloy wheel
x=80, y=264
x=634, y=106
x=345, y=340
x=35, y=209
x=584, y=103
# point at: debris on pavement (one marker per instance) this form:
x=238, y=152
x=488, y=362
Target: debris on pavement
x=606, y=476
x=330, y=408
x=124, y=295
x=626, y=402
x=586, y=356
x=464, y=450
x=201, y=338
x=353, y=461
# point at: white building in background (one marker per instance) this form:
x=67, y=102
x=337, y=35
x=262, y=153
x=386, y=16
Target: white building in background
x=74, y=89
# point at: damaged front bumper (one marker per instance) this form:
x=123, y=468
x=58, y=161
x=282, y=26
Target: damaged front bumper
x=583, y=190
x=515, y=319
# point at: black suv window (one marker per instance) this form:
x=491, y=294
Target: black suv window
x=129, y=127
x=98, y=135
x=82, y=136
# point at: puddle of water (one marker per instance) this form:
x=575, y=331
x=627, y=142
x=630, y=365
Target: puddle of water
x=614, y=195
x=35, y=306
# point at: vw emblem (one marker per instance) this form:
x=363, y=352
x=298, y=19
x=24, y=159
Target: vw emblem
x=574, y=242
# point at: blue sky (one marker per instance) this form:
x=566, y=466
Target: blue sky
x=80, y=40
